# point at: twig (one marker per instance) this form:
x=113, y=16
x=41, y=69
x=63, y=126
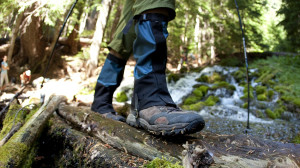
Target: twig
x=10, y=134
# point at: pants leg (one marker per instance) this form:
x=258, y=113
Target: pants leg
x=150, y=52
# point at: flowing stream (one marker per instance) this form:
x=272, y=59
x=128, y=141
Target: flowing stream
x=228, y=116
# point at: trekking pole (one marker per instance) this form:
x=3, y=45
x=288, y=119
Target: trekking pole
x=52, y=52
x=246, y=61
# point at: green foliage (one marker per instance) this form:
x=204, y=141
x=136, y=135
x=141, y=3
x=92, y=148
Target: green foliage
x=121, y=97
x=287, y=69
x=290, y=10
x=162, y=163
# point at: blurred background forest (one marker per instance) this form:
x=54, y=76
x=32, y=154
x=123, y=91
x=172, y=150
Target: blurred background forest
x=209, y=29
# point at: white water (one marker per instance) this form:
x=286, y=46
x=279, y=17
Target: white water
x=228, y=108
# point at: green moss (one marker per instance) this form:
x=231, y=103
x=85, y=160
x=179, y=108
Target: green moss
x=272, y=114
x=121, y=97
x=211, y=100
x=87, y=90
x=223, y=84
x=240, y=75
x=260, y=89
x=245, y=91
x=191, y=100
x=297, y=139
x=203, y=89
x=11, y=149
x=262, y=97
x=202, y=78
x=267, y=76
x=210, y=79
x=259, y=114
x=198, y=93
x=296, y=102
x=162, y=163
x=194, y=107
x=214, y=77
x=11, y=119
x=270, y=94
x=173, y=77
x=245, y=105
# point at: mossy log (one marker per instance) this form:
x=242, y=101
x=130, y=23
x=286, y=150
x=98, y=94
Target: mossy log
x=227, y=150
x=13, y=153
x=118, y=134
x=73, y=148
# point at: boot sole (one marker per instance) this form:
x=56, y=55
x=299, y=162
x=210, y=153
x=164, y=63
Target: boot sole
x=166, y=130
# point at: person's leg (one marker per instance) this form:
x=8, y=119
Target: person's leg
x=1, y=80
x=112, y=72
x=155, y=110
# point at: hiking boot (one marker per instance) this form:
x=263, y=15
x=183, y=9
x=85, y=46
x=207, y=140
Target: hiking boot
x=166, y=120
x=114, y=116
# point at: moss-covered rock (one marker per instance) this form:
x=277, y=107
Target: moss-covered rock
x=194, y=107
x=198, y=93
x=174, y=77
x=262, y=97
x=210, y=79
x=245, y=91
x=240, y=75
x=272, y=114
x=260, y=89
x=215, y=77
x=121, y=97
x=211, y=101
x=223, y=84
x=202, y=78
x=190, y=100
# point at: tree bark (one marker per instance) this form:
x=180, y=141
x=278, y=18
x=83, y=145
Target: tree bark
x=117, y=134
x=13, y=38
x=227, y=150
x=16, y=149
x=32, y=43
x=88, y=151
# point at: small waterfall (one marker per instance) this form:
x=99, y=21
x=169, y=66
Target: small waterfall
x=229, y=106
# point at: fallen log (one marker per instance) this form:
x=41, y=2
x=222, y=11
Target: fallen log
x=227, y=150
x=15, y=150
x=117, y=134
x=73, y=148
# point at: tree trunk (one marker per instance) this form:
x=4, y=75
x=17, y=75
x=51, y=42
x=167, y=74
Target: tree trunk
x=32, y=43
x=13, y=38
x=225, y=150
x=73, y=40
x=98, y=36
